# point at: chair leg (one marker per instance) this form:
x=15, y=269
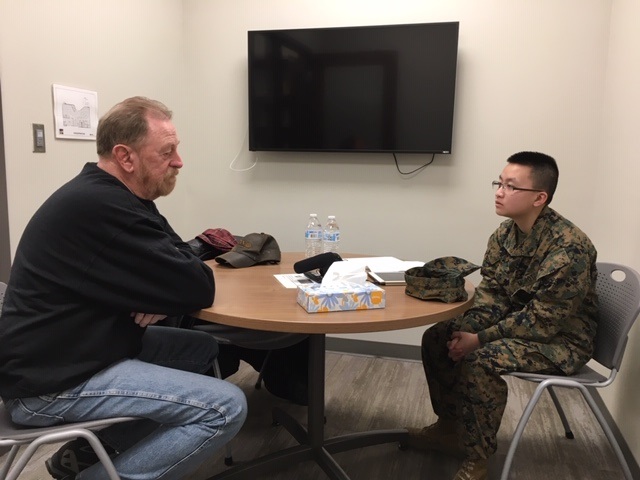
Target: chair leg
x=607, y=431
x=11, y=456
x=228, y=454
x=216, y=369
x=563, y=418
x=102, y=454
x=520, y=428
x=262, y=368
x=592, y=405
x=26, y=455
x=59, y=436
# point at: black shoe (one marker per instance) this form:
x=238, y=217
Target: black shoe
x=71, y=459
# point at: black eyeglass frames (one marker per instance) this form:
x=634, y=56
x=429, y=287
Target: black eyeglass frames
x=508, y=188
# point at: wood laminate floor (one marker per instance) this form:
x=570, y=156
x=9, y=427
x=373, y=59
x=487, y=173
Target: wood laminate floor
x=364, y=393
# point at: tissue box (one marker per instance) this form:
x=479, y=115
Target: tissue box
x=334, y=298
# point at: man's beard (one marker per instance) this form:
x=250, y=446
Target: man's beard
x=168, y=183
x=162, y=188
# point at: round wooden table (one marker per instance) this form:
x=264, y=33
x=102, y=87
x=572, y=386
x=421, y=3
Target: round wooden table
x=253, y=298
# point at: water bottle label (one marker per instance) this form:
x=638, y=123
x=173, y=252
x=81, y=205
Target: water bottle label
x=332, y=237
x=312, y=235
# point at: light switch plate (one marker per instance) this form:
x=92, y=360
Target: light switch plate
x=38, y=138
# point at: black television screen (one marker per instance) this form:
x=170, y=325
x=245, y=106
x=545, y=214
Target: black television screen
x=387, y=88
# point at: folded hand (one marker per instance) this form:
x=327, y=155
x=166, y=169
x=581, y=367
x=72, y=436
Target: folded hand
x=462, y=344
x=144, y=319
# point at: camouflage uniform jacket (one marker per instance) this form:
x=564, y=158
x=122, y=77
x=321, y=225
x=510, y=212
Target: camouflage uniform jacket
x=540, y=289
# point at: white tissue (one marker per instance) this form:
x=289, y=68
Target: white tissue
x=345, y=273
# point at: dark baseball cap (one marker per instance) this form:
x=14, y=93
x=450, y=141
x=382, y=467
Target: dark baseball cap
x=252, y=249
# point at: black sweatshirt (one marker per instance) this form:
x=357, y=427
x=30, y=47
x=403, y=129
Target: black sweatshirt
x=92, y=254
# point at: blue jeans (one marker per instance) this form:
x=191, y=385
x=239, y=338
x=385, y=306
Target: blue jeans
x=190, y=415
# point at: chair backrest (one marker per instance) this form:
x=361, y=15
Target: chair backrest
x=619, y=306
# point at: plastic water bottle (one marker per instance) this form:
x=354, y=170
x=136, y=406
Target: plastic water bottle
x=331, y=235
x=313, y=237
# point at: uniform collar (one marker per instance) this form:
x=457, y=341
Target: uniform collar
x=528, y=244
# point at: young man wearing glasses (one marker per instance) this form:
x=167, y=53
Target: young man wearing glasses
x=534, y=311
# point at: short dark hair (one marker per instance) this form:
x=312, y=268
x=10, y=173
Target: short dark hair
x=544, y=170
x=126, y=123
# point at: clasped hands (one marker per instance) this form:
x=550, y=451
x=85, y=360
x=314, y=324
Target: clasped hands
x=462, y=344
x=144, y=319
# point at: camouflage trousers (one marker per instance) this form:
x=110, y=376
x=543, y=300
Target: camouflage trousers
x=472, y=391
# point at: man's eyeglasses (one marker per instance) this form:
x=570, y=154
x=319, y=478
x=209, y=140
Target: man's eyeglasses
x=507, y=188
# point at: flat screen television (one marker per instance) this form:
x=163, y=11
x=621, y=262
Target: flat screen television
x=387, y=88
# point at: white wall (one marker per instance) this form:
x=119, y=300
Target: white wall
x=617, y=196
x=118, y=48
x=559, y=77
x=530, y=76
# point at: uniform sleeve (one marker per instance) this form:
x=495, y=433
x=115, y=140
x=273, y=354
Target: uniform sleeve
x=560, y=288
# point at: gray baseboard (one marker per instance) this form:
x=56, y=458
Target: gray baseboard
x=376, y=349
x=412, y=352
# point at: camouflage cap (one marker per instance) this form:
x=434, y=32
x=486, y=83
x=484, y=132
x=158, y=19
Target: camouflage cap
x=440, y=279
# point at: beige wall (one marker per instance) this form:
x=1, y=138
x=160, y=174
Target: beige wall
x=616, y=210
x=117, y=48
x=555, y=76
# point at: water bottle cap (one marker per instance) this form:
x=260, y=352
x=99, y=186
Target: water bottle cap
x=331, y=217
x=313, y=215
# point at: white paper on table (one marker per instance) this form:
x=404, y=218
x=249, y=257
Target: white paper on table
x=384, y=264
x=293, y=280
